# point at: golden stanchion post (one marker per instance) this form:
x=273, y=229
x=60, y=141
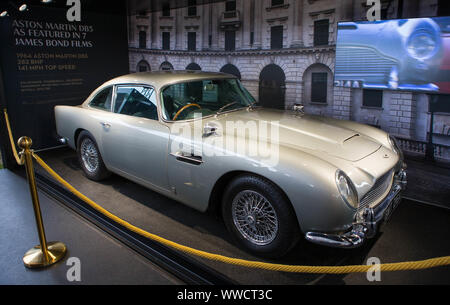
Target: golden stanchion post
x=45, y=254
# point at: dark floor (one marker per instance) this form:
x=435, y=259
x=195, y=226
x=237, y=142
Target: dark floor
x=428, y=182
x=103, y=260
x=415, y=232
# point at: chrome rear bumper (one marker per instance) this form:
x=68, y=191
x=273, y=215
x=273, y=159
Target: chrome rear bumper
x=367, y=221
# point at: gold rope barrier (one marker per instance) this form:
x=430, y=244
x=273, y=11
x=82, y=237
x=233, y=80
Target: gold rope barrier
x=46, y=253
x=20, y=160
x=412, y=265
x=416, y=265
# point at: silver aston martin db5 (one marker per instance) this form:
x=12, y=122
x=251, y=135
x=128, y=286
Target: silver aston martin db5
x=274, y=175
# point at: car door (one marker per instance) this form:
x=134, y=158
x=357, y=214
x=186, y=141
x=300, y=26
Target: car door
x=135, y=142
x=189, y=175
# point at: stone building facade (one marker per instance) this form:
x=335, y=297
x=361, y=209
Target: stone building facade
x=282, y=50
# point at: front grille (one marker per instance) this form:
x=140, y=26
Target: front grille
x=378, y=189
x=359, y=63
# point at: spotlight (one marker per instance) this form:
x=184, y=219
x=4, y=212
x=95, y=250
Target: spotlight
x=4, y=14
x=46, y=1
x=23, y=8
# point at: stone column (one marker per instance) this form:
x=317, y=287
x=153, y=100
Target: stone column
x=345, y=11
x=297, y=37
x=246, y=18
x=154, y=30
x=215, y=26
x=206, y=26
x=259, y=6
x=179, y=33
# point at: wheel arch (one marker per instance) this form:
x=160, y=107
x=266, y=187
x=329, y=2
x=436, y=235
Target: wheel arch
x=76, y=135
x=218, y=190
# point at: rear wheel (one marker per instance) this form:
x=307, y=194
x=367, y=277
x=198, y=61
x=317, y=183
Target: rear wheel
x=90, y=159
x=259, y=217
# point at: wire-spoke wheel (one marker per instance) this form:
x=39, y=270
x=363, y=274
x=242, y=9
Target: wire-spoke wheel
x=255, y=217
x=90, y=158
x=89, y=155
x=259, y=216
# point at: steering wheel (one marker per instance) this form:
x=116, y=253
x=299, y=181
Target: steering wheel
x=184, y=108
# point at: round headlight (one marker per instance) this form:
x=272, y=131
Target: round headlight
x=421, y=45
x=346, y=189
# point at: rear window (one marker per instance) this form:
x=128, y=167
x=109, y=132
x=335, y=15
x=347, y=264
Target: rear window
x=102, y=100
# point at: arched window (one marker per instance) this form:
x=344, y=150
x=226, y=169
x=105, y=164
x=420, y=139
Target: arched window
x=143, y=66
x=272, y=87
x=318, y=80
x=231, y=69
x=166, y=66
x=194, y=67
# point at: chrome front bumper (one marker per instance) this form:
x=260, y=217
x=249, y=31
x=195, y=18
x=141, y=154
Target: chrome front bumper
x=367, y=221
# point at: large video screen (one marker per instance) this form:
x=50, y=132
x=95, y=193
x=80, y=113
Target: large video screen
x=404, y=54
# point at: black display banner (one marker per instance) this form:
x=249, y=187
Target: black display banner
x=48, y=59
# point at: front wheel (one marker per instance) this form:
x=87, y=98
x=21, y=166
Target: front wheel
x=259, y=216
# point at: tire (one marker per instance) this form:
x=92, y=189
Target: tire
x=278, y=218
x=90, y=159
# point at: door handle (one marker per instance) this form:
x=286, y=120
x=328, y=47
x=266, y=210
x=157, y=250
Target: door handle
x=195, y=160
x=106, y=125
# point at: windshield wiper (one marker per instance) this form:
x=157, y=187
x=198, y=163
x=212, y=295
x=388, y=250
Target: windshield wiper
x=226, y=106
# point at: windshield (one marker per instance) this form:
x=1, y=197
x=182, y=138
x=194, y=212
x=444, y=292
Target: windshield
x=184, y=101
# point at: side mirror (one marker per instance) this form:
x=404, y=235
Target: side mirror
x=209, y=129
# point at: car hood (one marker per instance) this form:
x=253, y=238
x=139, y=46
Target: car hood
x=301, y=131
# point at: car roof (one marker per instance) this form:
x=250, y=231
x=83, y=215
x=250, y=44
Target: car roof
x=159, y=79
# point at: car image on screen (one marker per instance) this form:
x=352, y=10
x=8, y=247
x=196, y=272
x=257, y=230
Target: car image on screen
x=405, y=54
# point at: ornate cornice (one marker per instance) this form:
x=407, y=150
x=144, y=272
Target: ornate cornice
x=324, y=12
x=281, y=6
x=280, y=19
x=286, y=51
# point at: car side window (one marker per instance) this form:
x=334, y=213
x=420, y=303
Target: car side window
x=138, y=101
x=102, y=100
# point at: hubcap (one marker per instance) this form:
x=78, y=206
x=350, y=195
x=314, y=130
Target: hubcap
x=254, y=217
x=89, y=155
